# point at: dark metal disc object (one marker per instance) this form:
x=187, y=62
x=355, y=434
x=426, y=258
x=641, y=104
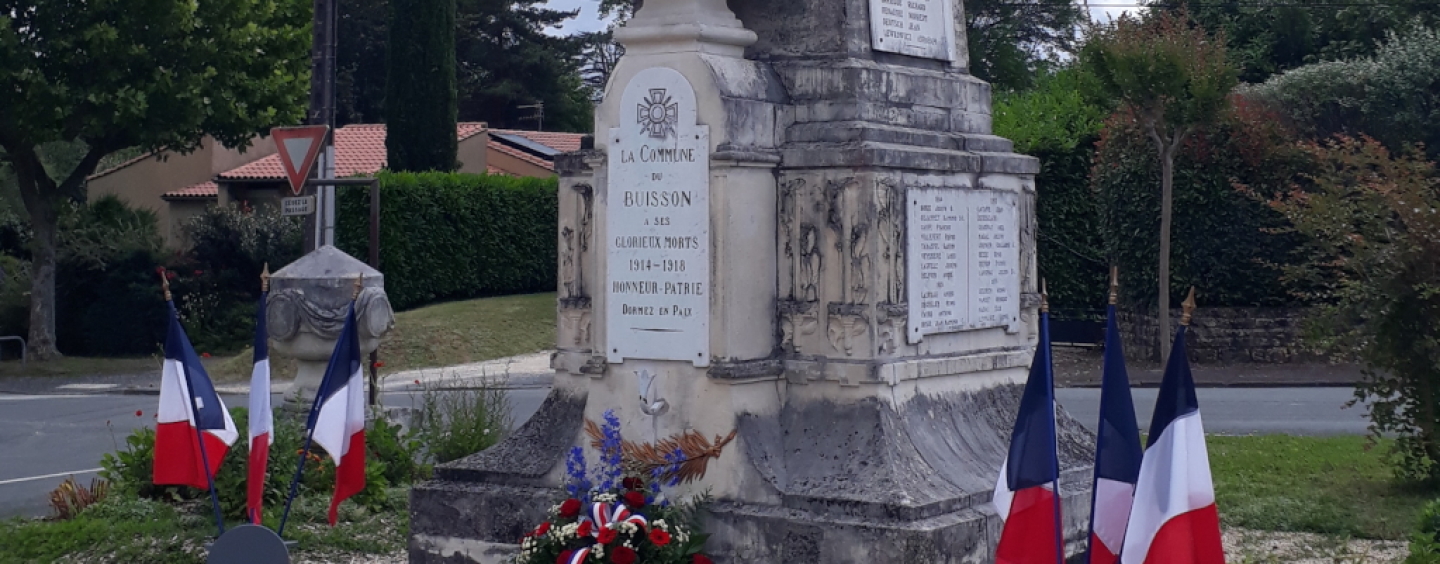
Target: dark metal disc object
x=249, y=544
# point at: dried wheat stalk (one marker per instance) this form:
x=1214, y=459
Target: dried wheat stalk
x=644, y=458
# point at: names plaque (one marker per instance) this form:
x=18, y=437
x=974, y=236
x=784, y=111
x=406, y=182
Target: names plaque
x=964, y=260
x=919, y=28
x=657, y=273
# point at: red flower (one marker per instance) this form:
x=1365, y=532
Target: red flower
x=169, y=275
x=199, y=272
x=569, y=508
x=659, y=537
x=583, y=530
x=635, y=500
x=607, y=536
x=159, y=270
x=542, y=529
x=632, y=483
x=564, y=557
x=622, y=555
x=204, y=355
x=139, y=413
x=702, y=559
x=379, y=364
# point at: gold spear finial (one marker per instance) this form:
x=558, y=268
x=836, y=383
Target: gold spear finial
x=1114, y=284
x=265, y=278
x=1044, y=298
x=1189, y=305
x=359, y=285
x=164, y=283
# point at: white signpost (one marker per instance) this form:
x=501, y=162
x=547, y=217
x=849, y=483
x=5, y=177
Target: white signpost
x=657, y=283
x=964, y=261
x=919, y=28
x=298, y=205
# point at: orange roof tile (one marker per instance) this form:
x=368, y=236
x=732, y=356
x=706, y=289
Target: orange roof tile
x=359, y=149
x=201, y=190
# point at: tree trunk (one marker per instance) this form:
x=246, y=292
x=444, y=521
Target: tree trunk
x=1167, y=178
x=43, y=222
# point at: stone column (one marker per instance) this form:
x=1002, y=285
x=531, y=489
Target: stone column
x=801, y=230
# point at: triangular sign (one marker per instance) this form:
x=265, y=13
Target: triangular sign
x=298, y=147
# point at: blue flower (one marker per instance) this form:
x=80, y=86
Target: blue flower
x=579, y=484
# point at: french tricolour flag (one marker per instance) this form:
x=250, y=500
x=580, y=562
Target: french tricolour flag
x=1117, y=454
x=1173, y=519
x=1025, y=495
x=190, y=411
x=338, y=419
x=262, y=419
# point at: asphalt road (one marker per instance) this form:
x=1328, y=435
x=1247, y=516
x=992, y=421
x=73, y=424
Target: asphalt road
x=44, y=438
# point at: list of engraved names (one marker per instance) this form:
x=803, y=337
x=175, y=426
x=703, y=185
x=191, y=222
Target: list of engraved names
x=964, y=259
x=919, y=28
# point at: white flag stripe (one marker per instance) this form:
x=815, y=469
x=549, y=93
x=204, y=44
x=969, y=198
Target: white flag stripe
x=1174, y=479
x=1112, y=505
x=262, y=419
x=174, y=407
x=335, y=424
x=1003, y=497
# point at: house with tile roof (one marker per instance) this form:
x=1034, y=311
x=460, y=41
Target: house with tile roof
x=178, y=187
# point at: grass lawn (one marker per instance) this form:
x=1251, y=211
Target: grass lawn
x=1327, y=485
x=444, y=335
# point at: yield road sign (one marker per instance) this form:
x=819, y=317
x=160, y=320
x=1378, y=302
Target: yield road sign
x=298, y=147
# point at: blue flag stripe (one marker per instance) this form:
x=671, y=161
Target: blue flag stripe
x=344, y=362
x=1118, y=452
x=1032, y=461
x=1177, y=390
x=204, y=402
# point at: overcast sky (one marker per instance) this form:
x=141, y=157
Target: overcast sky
x=589, y=18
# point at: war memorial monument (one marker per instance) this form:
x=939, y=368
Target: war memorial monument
x=794, y=224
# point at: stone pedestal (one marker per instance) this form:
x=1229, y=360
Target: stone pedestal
x=306, y=310
x=803, y=230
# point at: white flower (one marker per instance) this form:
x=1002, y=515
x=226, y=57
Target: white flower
x=660, y=524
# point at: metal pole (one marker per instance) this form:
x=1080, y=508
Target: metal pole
x=322, y=112
x=375, y=264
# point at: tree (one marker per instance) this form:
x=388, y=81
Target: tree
x=360, y=61
x=508, y=61
x=1009, y=41
x=420, y=87
x=1173, y=77
x=148, y=73
x=1266, y=37
x=1372, y=234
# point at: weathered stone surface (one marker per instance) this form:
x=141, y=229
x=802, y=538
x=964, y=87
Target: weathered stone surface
x=529, y=453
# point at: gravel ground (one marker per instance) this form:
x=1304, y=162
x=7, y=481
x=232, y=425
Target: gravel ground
x=1243, y=545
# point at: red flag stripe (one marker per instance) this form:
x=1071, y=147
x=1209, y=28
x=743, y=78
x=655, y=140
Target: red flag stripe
x=349, y=473
x=177, y=455
x=1099, y=552
x=1189, y=538
x=1029, y=533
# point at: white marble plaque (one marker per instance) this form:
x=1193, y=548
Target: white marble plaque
x=657, y=274
x=919, y=28
x=964, y=260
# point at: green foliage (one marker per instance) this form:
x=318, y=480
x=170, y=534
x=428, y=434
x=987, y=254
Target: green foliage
x=1224, y=243
x=510, y=61
x=1272, y=36
x=1392, y=96
x=1371, y=234
x=420, y=86
x=456, y=236
x=145, y=73
x=1011, y=42
x=460, y=419
x=109, y=303
x=217, y=282
x=1425, y=542
x=1055, y=123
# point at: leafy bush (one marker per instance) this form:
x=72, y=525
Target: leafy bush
x=1425, y=542
x=453, y=236
x=108, y=300
x=391, y=459
x=455, y=420
x=1393, y=96
x=219, y=282
x=1223, y=241
x=1055, y=123
x=1371, y=235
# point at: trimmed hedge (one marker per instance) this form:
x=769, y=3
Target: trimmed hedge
x=454, y=236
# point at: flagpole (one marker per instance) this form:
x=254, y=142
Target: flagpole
x=258, y=515
x=1100, y=437
x=310, y=430
x=199, y=433
x=1054, y=440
